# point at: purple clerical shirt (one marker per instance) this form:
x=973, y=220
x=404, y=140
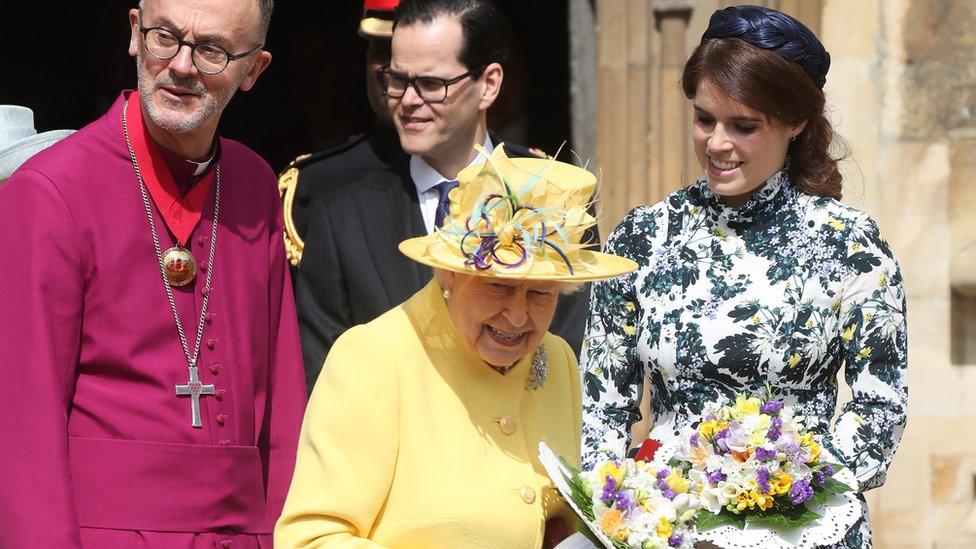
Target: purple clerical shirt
x=96, y=448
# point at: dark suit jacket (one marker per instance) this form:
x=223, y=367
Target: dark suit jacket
x=352, y=271
x=326, y=171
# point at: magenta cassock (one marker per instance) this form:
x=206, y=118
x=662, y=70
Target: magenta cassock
x=96, y=449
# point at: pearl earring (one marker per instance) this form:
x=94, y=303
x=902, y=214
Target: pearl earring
x=446, y=293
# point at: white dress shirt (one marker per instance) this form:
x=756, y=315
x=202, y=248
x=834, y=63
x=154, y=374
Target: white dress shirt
x=425, y=177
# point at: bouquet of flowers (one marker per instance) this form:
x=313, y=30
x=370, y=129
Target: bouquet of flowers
x=754, y=463
x=628, y=503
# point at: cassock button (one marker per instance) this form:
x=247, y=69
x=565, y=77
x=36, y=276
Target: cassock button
x=221, y=419
x=203, y=266
x=210, y=317
x=527, y=493
x=205, y=292
x=201, y=240
x=212, y=343
x=219, y=395
x=215, y=369
x=506, y=423
x=226, y=543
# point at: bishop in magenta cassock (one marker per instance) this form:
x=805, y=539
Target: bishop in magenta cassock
x=115, y=431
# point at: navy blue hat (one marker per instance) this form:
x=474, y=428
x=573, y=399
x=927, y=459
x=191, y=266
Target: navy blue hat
x=775, y=31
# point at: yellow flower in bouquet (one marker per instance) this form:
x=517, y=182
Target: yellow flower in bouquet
x=677, y=481
x=664, y=528
x=611, y=469
x=780, y=484
x=807, y=440
x=709, y=428
x=745, y=407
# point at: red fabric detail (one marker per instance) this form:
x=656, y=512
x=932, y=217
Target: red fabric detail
x=647, y=450
x=180, y=213
x=381, y=5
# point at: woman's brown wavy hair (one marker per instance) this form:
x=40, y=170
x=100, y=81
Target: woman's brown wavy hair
x=783, y=92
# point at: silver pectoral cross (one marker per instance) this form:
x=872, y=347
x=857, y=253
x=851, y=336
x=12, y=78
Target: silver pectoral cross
x=194, y=389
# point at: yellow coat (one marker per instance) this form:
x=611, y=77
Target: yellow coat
x=403, y=442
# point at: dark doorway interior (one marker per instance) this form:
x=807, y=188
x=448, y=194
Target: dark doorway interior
x=68, y=61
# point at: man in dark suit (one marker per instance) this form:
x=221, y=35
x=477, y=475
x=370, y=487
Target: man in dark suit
x=311, y=176
x=446, y=71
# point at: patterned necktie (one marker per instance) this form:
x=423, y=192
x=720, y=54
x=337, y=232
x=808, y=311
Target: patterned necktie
x=443, y=202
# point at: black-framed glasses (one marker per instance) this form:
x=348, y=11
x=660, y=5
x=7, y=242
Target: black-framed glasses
x=208, y=58
x=430, y=88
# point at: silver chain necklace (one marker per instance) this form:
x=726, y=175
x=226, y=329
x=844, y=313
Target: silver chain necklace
x=193, y=389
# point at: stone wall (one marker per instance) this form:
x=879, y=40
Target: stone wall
x=903, y=92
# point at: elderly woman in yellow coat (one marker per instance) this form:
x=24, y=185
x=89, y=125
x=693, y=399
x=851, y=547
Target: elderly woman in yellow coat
x=423, y=428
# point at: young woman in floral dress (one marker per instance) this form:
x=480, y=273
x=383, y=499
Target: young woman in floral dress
x=756, y=276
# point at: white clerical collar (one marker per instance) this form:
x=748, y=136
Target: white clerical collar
x=202, y=167
x=425, y=176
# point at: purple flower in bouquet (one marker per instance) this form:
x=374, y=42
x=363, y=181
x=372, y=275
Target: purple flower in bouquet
x=662, y=484
x=800, y=492
x=775, y=429
x=789, y=446
x=720, y=440
x=762, y=479
x=821, y=475
x=763, y=454
x=609, y=490
x=737, y=440
x=676, y=540
x=624, y=503
x=772, y=407
x=715, y=477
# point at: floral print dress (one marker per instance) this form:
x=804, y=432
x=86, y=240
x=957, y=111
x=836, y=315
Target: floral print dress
x=777, y=294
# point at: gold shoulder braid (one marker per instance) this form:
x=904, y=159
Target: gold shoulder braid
x=287, y=183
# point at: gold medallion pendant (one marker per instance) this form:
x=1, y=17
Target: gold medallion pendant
x=179, y=266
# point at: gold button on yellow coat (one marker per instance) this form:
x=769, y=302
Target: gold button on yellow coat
x=507, y=424
x=402, y=445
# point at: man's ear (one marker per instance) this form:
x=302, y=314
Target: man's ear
x=259, y=66
x=493, y=76
x=134, y=32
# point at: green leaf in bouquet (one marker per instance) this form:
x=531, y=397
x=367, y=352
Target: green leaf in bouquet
x=823, y=464
x=569, y=467
x=793, y=518
x=705, y=520
x=581, y=492
x=819, y=497
x=835, y=486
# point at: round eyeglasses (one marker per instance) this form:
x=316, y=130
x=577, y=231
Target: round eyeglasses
x=208, y=58
x=430, y=88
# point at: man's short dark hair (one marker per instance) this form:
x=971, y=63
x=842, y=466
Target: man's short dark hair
x=486, y=33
